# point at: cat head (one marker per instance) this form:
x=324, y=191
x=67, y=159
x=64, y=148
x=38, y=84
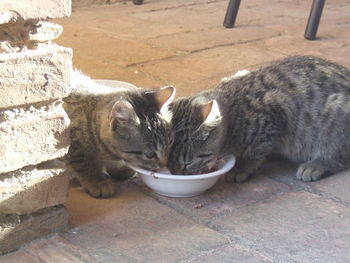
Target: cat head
x=140, y=127
x=198, y=129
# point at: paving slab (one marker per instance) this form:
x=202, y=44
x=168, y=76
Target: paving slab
x=337, y=186
x=191, y=41
x=294, y=227
x=111, y=48
x=223, y=198
x=230, y=253
x=57, y=249
x=136, y=228
x=19, y=256
x=203, y=64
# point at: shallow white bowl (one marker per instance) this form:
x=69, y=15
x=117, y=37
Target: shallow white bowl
x=115, y=83
x=184, y=185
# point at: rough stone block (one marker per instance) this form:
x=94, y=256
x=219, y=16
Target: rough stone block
x=27, y=34
x=38, y=9
x=45, y=31
x=35, y=75
x=16, y=230
x=32, y=135
x=33, y=188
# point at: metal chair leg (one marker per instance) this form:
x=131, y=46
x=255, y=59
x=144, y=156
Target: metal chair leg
x=231, y=13
x=314, y=19
x=137, y=2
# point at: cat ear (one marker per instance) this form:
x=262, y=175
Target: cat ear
x=163, y=97
x=123, y=114
x=211, y=113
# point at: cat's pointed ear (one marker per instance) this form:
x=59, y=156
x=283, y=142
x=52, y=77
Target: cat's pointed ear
x=163, y=97
x=211, y=113
x=123, y=114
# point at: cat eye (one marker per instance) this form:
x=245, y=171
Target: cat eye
x=150, y=155
x=205, y=155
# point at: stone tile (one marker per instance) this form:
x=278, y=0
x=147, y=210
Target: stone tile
x=17, y=230
x=185, y=89
x=337, y=185
x=19, y=256
x=32, y=188
x=187, y=17
x=210, y=38
x=294, y=227
x=135, y=228
x=224, y=198
x=109, y=46
x=127, y=27
x=99, y=69
x=201, y=65
x=57, y=249
x=230, y=253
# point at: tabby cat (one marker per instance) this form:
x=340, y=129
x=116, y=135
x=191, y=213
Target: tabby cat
x=111, y=126
x=298, y=107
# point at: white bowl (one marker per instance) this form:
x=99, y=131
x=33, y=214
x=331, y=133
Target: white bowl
x=169, y=185
x=115, y=83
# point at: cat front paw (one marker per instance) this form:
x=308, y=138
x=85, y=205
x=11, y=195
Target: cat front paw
x=236, y=177
x=308, y=172
x=102, y=189
x=121, y=174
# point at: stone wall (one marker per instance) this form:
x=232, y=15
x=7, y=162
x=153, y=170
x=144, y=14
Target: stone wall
x=34, y=77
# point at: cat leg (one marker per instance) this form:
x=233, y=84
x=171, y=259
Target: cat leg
x=89, y=172
x=242, y=170
x=95, y=182
x=316, y=169
x=118, y=170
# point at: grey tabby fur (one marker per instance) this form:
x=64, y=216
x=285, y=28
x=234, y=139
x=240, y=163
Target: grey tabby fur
x=113, y=125
x=298, y=107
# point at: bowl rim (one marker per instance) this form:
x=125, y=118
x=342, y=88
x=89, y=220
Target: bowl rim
x=230, y=161
x=100, y=81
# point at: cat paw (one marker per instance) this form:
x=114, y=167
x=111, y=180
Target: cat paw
x=122, y=174
x=101, y=189
x=235, y=177
x=308, y=172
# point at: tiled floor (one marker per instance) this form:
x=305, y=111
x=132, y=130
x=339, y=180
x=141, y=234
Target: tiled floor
x=270, y=218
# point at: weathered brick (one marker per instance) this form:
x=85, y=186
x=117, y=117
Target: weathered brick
x=25, y=9
x=34, y=75
x=16, y=230
x=32, y=135
x=32, y=188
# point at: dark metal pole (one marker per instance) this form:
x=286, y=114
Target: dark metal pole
x=137, y=2
x=314, y=19
x=231, y=13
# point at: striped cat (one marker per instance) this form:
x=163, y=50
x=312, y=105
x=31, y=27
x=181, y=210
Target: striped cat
x=111, y=126
x=298, y=107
